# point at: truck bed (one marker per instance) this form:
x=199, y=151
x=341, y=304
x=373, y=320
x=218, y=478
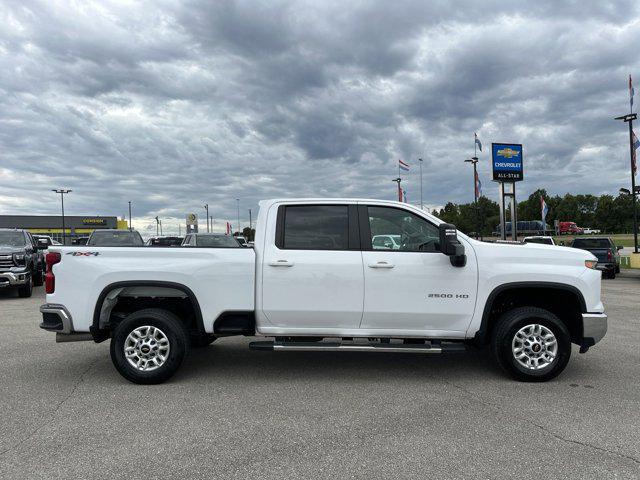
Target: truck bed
x=216, y=276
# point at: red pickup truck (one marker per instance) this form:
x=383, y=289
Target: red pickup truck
x=570, y=228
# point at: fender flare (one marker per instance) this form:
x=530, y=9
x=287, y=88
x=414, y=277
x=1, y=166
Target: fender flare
x=95, y=328
x=481, y=334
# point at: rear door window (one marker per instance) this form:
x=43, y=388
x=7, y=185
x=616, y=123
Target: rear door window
x=316, y=227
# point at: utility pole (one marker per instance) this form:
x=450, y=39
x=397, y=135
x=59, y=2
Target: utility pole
x=629, y=118
x=130, y=228
x=474, y=161
x=206, y=207
x=420, y=160
x=238, y=208
x=399, y=182
x=62, y=192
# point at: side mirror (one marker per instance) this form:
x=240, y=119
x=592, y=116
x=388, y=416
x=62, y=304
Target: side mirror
x=451, y=246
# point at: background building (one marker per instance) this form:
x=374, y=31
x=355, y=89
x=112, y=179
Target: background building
x=75, y=226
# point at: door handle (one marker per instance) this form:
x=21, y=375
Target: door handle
x=281, y=263
x=381, y=265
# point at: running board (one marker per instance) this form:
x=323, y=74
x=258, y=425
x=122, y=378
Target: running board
x=435, y=347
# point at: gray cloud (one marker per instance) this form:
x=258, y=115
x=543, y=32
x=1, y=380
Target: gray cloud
x=174, y=104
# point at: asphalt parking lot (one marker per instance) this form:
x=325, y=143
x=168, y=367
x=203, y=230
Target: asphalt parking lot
x=235, y=413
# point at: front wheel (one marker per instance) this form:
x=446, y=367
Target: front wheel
x=27, y=289
x=531, y=344
x=149, y=345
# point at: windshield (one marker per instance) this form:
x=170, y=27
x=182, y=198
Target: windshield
x=545, y=241
x=115, y=239
x=12, y=239
x=166, y=242
x=588, y=243
x=216, y=241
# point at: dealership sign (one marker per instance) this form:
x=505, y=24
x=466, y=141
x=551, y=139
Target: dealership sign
x=94, y=221
x=507, y=162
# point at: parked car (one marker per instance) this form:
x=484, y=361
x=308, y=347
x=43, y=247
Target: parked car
x=79, y=241
x=605, y=251
x=590, y=231
x=545, y=240
x=21, y=261
x=569, y=228
x=115, y=238
x=210, y=240
x=440, y=292
x=164, y=242
x=386, y=242
x=241, y=240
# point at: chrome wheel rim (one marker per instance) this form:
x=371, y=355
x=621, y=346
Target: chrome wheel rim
x=146, y=348
x=534, y=347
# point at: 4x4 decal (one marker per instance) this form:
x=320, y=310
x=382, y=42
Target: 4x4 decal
x=84, y=254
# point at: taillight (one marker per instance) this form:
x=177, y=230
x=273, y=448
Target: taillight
x=51, y=259
x=609, y=256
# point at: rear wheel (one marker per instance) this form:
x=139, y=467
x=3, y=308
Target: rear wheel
x=38, y=277
x=149, y=346
x=531, y=344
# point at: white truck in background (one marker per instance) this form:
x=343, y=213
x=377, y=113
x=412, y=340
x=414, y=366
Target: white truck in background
x=315, y=281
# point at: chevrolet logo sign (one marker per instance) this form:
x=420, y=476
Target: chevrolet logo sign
x=508, y=152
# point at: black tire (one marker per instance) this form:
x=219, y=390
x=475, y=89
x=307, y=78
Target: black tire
x=611, y=274
x=201, y=341
x=170, y=326
x=507, y=327
x=617, y=269
x=26, y=290
x=38, y=277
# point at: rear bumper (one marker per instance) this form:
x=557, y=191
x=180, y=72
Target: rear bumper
x=594, y=328
x=14, y=279
x=56, y=318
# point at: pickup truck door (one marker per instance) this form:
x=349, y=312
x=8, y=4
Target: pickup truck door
x=312, y=275
x=413, y=287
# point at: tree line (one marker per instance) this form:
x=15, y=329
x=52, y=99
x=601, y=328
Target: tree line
x=605, y=212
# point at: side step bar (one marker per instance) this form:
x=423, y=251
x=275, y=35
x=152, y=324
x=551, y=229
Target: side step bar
x=434, y=347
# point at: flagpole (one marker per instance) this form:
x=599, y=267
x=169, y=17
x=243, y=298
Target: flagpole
x=421, y=206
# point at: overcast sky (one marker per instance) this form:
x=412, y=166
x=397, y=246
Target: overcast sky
x=173, y=104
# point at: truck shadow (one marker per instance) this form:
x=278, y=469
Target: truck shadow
x=222, y=362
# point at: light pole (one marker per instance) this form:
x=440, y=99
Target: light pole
x=420, y=160
x=249, y=220
x=238, y=208
x=206, y=207
x=629, y=118
x=399, y=182
x=474, y=161
x=157, y=226
x=130, y=228
x=62, y=192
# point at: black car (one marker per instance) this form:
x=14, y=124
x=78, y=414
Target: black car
x=164, y=242
x=605, y=250
x=21, y=261
x=115, y=238
x=210, y=240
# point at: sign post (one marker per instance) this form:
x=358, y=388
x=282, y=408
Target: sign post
x=507, y=170
x=192, y=223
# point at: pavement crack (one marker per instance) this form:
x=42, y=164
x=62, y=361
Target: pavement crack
x=53, y=411
x=546, y=430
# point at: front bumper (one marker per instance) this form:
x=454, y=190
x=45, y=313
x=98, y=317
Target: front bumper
x=56, y=318
x=14, y=279
x=594, y=328
x=605, y=267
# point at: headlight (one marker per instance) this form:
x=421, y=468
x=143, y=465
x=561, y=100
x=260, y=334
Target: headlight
x=590, y=263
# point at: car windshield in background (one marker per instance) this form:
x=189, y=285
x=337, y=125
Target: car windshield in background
x=217, y=241
x=12, y=239
x=166, y=242
x=115, y=239
x=591, y=243
x=545, y=241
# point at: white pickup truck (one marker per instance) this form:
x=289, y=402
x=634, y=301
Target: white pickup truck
x=316, y=281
